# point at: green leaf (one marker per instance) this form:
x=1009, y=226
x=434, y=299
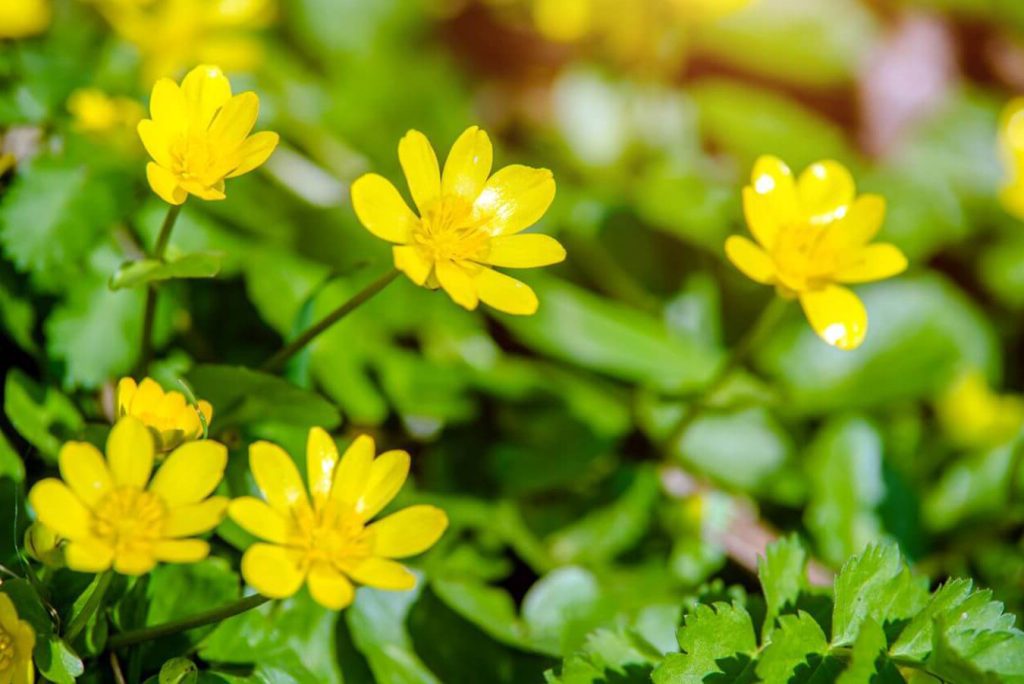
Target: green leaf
x=178, y=671
x=783, y=574
x=377, y=622
x=864, y=657
x=145, y=271
x=714, y=639
x=562, y=607
x=18, y=318
x=42, y=415
x=955, y=668
x=797, y=643
x=11, y=465
x=489, y=608
x=618, y=655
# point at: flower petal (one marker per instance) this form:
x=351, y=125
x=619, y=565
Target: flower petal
x=148, y=397
x=514, y=199
x=257, y=518
x=386, y=477
x=826, y=191
x=457, y=283
x=321, y=460
x=412, y=263
x=165, y=184
x=381, y=209
x=771, y=200
x=272, y=570
x=383, y=574
x=409, y=531
x=206, y=89
x=860, y=225
x=328, y=587
x=873, y=262
x=837, y=315
x=277, y=477
x=525, y=251
x=156, y=140
x=753, y=261
x=181, y=550
x=353, y=471
x=126, y=389
x=88, y=555
x=58, y=508
x=197, y=518
x=191, y=472
x=419, y=163
x=255, y=150
x=505, y=293
x=234, y=121
x=167, y=106
x=130, y=452
x=134, y=562
x=82, y=467
x=468, y=165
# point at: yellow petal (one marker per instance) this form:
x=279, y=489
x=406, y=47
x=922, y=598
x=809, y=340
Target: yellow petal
x=191, y=472
x=410, y=261
x=126, y=388
x=505, y=293
x=277, y=477
x=88, y=555
x=207, y=192
x=130, y=453
x=148, y=397
x=772, y=200
x=156, y=141
x=826, y=191
x=759, y=211
x=873, y=262
x=353, y=471
x=751, y=259
x=386, y=477
x=181, y=550
x=58, y=508
x=328, y=587
x=419, y=163
x=234, y=121
x=525, y=251
x=272, y=570
x=206, y=409
x=134, y=562
x=197, y=518
x=84, y=470
x=255, y=150
x=167, y=106
x=258, y=519
x=457, y=283
x=383, y=574
x=408, y=532
x=381, y=209
x=206, y=89
x=165, y=184
x=860, y=225
x=468, y=165
x=514, y=199
x=837, y=315
x=321, y=460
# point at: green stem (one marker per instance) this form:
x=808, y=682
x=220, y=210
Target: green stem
x=91, y=606
x=150, y=311
x=137, y=636
x=769, y=318
x=295, y=346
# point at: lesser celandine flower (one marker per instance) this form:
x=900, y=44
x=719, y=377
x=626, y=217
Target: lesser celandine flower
x=1011, y=147
x=23, y=18
x=167, y=414
x=325, y=539
x=468, y=221
x=975, y=416
x=97, y=112
x=114, y=515
x=199, y=135
x=812, y=237
x=17, y=639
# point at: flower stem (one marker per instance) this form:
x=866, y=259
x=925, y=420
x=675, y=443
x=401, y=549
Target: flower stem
x=91, y=606
x=295, y=346
x=150, y=311
x=137, y=636
x=766, y=322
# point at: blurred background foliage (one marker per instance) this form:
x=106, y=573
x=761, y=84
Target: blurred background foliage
x=538, y=435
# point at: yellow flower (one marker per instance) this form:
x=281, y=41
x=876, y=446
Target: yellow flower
x=113, y=515
x=813, y=234
x=468, y=221
x=23, y=18
x=1011, y=147
x=324, y=539
x=44, y=545
x=199, y=135
x=17, y=639
x=976, y=417
x=97, y=112
x=167, y=414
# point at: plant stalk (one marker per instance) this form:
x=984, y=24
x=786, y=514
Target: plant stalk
x=150, y=311
x=137, y=636
x=91, y=606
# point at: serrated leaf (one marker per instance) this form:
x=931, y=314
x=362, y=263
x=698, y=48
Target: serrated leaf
x=783, y=574
x=621, y=656
x=714, y=639
x=955, y=668
x=867, y=648
x=43, y=416
x=798, y=641
x=144, y=271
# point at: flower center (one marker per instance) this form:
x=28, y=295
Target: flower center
x=192, y=158
x=804, y=256
x=129, y=519
x=448, y=231
x=332, y=533
x=7, y=652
